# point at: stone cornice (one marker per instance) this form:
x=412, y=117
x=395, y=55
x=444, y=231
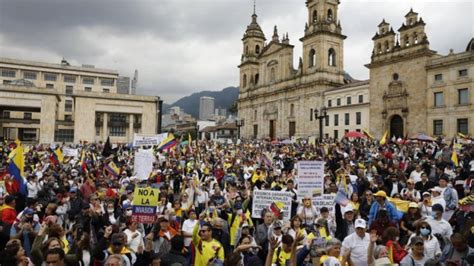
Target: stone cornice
x=401, y=57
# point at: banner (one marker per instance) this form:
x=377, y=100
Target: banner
x=145, y=201
x=143, y=164
x=310, y=179
x=148, y=140
x=68, y=152
x=269, y=199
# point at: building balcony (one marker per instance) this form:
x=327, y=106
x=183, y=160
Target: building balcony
x=7, y=119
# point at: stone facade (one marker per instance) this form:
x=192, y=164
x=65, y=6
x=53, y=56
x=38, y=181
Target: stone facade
x=276, y=99
x=46, y=103
x=402, y=84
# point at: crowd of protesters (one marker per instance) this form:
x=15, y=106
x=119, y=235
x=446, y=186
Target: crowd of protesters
x=75, y=211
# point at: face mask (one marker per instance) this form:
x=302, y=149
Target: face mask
x=397, y=238
x=110, y=211
x=433, y=215
x=128, y=213
x=424, y=231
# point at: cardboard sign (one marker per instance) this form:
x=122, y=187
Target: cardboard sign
x=143, y=164
x=68, y=152
x=145, y=201
x=326, y=200
x=263, y=199
x=310, y=179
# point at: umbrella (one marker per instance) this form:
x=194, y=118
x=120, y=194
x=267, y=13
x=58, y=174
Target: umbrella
x=354, y=134
x=422, y=137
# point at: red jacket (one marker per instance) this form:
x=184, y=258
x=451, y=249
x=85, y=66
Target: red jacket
x=8, y=215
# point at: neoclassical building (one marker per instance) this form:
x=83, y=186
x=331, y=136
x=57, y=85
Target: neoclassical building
x=411, y=88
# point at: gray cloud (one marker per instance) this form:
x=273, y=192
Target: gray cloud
x=183, y=46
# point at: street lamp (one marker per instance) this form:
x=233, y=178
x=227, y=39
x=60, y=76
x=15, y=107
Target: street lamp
x=238, y=122
x=322, y=115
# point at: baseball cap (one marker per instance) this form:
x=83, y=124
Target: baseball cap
x=412, y=205
x=380, y=193
x=348, y=208
x=444, y=176
x=29, y=211
x=416, y=239
x=73, y=190
x=277, y=224
x=126, y=205
x=360, y=223
x=436, y=189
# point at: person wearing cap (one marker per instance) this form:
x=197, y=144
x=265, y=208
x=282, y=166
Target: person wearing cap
x=437, y=223
x=415, y=175
x=344, y=221
x=381, y=222
x=437, y=197
x=410, y=193
x=417, y=255
x=187, y=230
x=407, y=223
x=425, y=205
x=450, y=196
x=307, y=212
x=381, y=202
x=75, y=202
x=356, y=244
x=425, y=184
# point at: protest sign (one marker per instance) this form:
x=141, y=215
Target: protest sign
x=325, y=200
x=67, y=152
x=145, y=201
x=148, y=140
x=269, y=199
x=144, y=160
x=310, y=179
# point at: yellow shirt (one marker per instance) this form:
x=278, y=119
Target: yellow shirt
x=282, y=257
x=204, y=250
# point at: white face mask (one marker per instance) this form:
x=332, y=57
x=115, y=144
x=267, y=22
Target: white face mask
x=110, y=211
x=128, y=213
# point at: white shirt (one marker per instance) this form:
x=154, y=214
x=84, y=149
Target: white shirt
x=432, y=248
x=394, y=189
x=188, y=227
x=438, y=200
x=308, y=214
x=358, y=248
x=441, y=227
x=134, y=243
x=416, y=176
x=33, y=188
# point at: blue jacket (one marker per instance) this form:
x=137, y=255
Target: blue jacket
x=392, y=212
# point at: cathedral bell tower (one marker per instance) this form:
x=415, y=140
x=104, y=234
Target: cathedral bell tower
x=323, y=42
x=253, y=42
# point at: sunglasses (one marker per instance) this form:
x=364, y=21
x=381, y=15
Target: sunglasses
x=117, y=244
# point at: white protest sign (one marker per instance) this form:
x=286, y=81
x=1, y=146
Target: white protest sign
x=143, y=164
x=310, y=179
x=68, y=152
x=326, y=200
x=263, y=199
x=148, y=140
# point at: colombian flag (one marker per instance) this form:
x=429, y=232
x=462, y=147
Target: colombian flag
x=16, y=166
x=384, y=138
x=113, y=169
x=168, y=143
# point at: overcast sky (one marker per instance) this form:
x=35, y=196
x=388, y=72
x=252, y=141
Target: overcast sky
x=184, y=46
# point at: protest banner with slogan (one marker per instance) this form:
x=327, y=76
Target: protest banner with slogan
x=310, y=179
x=144, y=160
x=326, y=200
x=148, y=140
x=276, y=201
x=144, y=207
x=67, y=152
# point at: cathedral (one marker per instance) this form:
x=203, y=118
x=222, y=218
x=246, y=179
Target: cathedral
x=279, y=100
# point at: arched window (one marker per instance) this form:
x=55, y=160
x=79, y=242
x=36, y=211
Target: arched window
x=312, y=58
x=292, y=110
x=329, y=14
x=257, y=76
x=415, y=38
x=244, y=81
x=379, y=48
x=257, y=49
x=315, y=15
x=272, y=74
x=246, y=50
x=387, y=48
x=255, y=115
x=331, y=57
x=407, y=41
